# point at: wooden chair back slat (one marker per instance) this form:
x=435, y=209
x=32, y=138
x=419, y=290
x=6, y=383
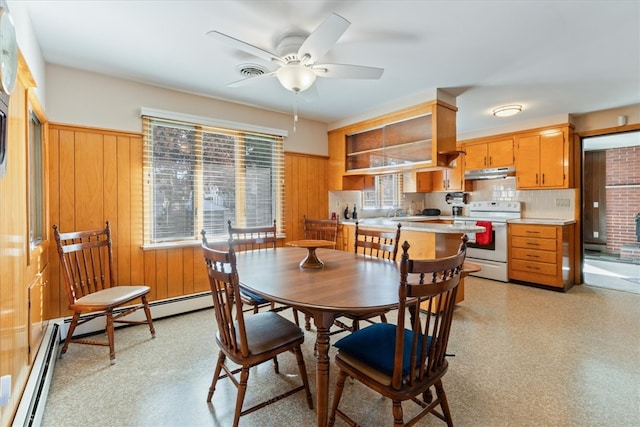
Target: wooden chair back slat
x=320, y=229
x=376, y=243
x=252, y=238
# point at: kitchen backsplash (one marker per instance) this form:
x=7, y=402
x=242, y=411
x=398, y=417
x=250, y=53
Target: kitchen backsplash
x=556, y=204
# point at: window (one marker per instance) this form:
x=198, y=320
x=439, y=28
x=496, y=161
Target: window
x=387, y=192
x=199, y=176
x=36, y=183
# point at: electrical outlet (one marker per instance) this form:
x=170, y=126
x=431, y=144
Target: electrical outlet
x=5, y=389
x=596, y=234
x=562, y=203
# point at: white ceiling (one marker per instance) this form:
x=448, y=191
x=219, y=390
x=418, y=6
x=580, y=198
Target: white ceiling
x=553, y=57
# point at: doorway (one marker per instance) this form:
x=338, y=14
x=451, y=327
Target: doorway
x=611, y=204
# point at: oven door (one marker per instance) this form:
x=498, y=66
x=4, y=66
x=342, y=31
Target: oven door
x=494, y=251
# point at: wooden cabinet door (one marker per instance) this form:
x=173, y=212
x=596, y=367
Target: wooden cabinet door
x=438, y=180
x=448, y=179
x=500, y=153
x=476, y=157
x=528, y=162
x=552, y=160
x=424, y=182
x=455, y=177
x=337, y=153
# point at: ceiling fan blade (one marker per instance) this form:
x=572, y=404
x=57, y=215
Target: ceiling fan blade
x=345, y=71
x=253, y=79
x=239, y=44
x=324, y=37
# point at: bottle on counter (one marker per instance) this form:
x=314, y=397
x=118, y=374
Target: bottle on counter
x=354, y=215
x=347, y=215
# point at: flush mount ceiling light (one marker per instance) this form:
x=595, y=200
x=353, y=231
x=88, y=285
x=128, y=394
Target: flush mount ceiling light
x=507, y=110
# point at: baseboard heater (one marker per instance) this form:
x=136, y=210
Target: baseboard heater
x=34, y=397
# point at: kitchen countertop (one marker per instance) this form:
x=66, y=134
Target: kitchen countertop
x=416, y=224
x=423, y=223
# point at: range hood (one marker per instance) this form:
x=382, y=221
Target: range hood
x=492, y=173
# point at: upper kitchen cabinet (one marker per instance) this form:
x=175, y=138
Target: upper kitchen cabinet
x=543, y=159
x=417, y=182
x=419, y=137
x=490, y=154
x=451, y=179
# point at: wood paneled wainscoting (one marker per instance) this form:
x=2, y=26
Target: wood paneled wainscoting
x=96, y=175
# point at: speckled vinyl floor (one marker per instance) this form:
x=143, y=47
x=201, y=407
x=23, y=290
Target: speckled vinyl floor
x=523, y=357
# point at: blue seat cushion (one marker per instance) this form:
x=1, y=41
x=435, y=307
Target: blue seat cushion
x=256, y=298
x=375, y=346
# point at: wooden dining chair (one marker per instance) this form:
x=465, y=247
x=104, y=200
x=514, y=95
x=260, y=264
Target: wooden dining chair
x=404, y=363
x=249, y=239
x=255, y=239
x=320, y=229
x=377, y=244
x=86, y=262
x=249, y=341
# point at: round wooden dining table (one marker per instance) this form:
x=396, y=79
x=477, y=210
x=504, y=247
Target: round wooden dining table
x=348, y=283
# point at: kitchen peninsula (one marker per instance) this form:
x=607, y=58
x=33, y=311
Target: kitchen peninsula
x=428, y=238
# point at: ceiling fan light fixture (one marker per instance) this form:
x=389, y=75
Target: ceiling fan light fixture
x=295, y=77
x=507, y=110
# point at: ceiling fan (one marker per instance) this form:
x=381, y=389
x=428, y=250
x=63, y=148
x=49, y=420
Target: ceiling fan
x=296, y=56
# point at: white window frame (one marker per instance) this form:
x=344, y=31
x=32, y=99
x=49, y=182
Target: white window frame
x=203, y=128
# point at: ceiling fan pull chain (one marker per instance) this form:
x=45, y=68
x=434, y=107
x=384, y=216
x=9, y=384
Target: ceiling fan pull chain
x=295, y=110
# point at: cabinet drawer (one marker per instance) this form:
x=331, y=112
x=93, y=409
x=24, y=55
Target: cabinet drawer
x=533, y=231
x=534, y=267
x=533, y=255
x=531, y=243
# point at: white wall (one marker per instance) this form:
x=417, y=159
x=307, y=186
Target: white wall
x=83, y=98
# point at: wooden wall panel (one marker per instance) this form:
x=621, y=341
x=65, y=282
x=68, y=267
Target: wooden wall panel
x=135, y=210
x=122, y=225
x=188, y=270
x=150, y=271
x=53, y=297
x=306, y=187
x=97, y=175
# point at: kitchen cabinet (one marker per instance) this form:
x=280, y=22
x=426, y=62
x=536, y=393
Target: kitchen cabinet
x=417, y=182
x=358, y=182
x=542, y=160
x=493, y=154
x=449, y=179
x=541, y=254
x=419, y=137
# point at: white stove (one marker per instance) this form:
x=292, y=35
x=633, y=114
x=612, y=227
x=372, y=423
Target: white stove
x=491, y=256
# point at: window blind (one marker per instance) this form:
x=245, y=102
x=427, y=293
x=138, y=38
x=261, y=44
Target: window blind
x=199, y=177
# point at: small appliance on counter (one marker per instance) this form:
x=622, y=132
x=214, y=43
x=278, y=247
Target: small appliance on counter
x=457, y=197
x=457, y=210
x=431, y=212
